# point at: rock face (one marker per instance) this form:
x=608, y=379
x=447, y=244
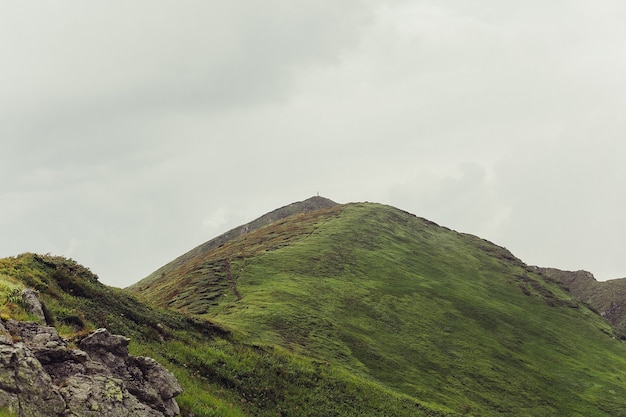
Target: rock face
x=33, y=305
x=41, y=376
x=607, y=298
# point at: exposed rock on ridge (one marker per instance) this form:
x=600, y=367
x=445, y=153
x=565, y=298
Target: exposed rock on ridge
x=41, y=376
x=608, y=298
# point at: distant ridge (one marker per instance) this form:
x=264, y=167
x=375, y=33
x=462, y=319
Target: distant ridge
x=310, y=204
x=608, y=298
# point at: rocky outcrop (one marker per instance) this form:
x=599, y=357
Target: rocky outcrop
x=607, y=298
x=32, y=304
x=25, y=386
x=40, y=375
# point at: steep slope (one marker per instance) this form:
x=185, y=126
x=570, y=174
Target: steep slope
x=180, y=265
x=438, y=316
x=606, y=297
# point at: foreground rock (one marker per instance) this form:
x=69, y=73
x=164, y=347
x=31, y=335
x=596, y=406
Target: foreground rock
x=41, y=376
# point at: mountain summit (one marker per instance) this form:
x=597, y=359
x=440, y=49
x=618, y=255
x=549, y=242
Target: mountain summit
x=180, y=266
x=444, y=319
x=310, y=204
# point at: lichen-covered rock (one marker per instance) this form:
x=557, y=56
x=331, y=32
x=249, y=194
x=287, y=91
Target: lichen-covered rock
x=145, y=378
x=25, y=386
x=44, y=342
x=160, y=384
x=103, y=396
x=41, y=376
x=103, y=342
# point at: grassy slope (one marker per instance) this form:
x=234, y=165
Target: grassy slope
x=203, y=280
x=432, y=314
x=165, y=273
x=221, y=375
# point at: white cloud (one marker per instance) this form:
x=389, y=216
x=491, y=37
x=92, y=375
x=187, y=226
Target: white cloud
x=132, y=132
x=465, y=200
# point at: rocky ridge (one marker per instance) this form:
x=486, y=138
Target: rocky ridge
x=41, y=375
x=608, y=298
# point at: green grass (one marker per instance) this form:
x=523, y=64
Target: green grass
x=268, y=381
x=415, y=309
x=221, y=375
x=354, y=310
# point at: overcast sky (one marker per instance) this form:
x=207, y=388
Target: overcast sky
x=132, y=131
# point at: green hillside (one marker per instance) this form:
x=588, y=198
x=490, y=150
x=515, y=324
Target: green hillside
x=222, y=375
x=404, y=308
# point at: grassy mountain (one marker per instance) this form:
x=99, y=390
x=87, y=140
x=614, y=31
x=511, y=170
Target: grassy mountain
x=606, y=297
x=417, y=317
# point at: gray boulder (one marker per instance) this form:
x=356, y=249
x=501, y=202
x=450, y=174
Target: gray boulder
x=145, y=378
x=41, y=376
x=25, y=386
x=32, y=304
